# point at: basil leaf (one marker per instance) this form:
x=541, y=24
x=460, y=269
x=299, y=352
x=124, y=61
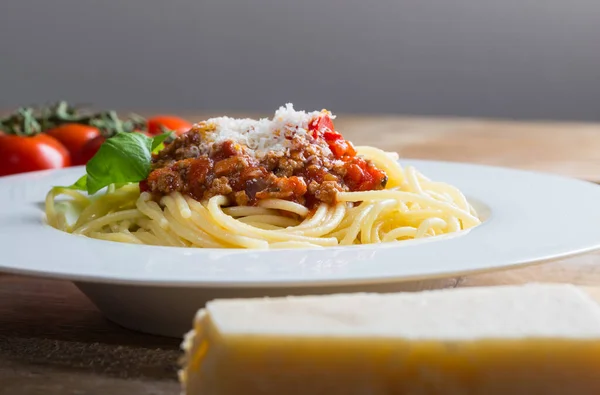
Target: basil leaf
x=79, y=185
x=123, y=158
x=159, y=148
x=157, y=142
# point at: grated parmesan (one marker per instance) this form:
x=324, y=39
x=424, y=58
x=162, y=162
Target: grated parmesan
x=262, y=136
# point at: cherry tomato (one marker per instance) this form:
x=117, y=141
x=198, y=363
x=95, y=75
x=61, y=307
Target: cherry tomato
x=90, y=148
x=23, y=154
x=74, y=137
x=170, y=122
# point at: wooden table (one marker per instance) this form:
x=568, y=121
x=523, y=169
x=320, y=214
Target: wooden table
x=54, y=342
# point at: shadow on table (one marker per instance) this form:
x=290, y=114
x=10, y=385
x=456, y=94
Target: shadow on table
x=49, y=322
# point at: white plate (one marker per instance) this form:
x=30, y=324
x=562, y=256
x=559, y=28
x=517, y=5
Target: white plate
x=528, y=217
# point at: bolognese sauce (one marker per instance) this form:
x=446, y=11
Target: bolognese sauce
x=309, y=163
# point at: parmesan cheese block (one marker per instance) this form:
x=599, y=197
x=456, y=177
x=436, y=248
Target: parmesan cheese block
x=533, y=339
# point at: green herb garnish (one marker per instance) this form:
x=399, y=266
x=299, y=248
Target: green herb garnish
x=122, y=159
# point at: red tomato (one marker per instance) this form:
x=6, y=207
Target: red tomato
x=342, y=149
x=170, y=122
x=91, y=147
x=23, y=154
x=144, y=187
x=74, y=137
x=328, y=135
x=323, y=126
x=354, y=176
x=360, y=176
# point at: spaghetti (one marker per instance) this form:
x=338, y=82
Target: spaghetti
x=408, y=206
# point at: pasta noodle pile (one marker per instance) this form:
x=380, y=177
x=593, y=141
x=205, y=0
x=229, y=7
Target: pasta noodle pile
x=410, y=207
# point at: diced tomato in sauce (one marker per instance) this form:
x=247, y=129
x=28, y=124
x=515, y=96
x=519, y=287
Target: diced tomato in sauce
x=330, y=135
x=360, y=176
x=320, y=125
x=323, y=126
x=144, y=187
x=342, y=149
x=227, y=150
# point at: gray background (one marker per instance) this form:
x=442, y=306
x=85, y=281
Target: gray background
x=500, y=58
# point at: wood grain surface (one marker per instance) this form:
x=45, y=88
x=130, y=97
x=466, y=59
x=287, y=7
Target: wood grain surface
x=53, y=341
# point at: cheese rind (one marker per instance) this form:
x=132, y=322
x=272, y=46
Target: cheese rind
x=476, y=341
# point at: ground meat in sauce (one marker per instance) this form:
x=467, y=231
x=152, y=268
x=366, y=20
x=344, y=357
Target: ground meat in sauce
x=184, y=147
x=306, y=173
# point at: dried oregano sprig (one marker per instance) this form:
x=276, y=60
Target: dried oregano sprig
x=29, y=121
